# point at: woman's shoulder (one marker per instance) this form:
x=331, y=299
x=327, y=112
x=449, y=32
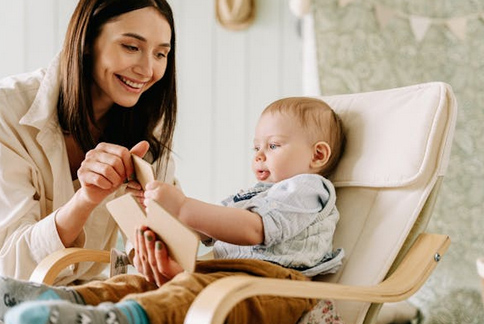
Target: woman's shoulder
x=19, y=90
x=21, y=82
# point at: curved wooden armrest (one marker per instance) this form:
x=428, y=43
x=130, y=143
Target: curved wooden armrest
x=48, y=269
x=214, y=303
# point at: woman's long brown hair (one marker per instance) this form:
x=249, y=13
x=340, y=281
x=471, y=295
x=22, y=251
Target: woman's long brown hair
x=153, y=118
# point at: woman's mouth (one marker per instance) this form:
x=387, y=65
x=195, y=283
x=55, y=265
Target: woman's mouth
x=131, y=84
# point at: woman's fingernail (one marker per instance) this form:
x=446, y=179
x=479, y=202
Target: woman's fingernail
x=149, y=237
x=159, y=246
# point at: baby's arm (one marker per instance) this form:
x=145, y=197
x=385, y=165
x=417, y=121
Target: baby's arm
x=231, y=225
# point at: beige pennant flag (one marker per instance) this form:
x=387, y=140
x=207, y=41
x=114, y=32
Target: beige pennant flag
x=383, y=15
x=419, y=26
x=344, y=3
x=458, y=26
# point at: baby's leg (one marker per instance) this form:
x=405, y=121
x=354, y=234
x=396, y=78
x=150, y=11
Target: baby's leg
x=14, y=292
x=170, y=302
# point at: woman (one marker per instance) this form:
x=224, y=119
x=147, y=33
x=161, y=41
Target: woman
x=67, y=132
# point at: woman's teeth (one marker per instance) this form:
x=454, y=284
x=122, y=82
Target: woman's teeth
x=132, y=84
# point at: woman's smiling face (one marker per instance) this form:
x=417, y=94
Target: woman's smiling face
x=130, y=55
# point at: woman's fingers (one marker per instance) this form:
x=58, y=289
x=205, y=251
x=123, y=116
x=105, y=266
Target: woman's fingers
x=150, y=246
x=166, y=265
x=141, y=259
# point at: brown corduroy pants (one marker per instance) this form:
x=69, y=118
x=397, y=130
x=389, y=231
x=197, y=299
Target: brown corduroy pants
x=170, y=302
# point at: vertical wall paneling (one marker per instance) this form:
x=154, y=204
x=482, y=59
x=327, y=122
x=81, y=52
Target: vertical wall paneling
x=31, y=33
x=264, y=76
x=64, y=9
x=40, y=38
x=12, y=34
x=230, y=98
x=194, y=133
x=221, y=97
x=291, y=52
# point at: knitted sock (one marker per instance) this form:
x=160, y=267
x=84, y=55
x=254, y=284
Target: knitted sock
x=14, y=292
x=133, y=311
x=61, y=311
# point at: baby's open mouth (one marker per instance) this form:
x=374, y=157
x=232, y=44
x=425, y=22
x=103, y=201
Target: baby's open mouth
x=262, y=174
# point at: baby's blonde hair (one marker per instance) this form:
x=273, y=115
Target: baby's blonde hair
x=318, y=121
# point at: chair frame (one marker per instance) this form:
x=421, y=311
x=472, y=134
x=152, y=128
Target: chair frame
x=411, y=269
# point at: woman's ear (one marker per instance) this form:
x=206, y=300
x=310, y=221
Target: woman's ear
x=321, y=155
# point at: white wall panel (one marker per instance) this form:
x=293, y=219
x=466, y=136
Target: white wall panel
x=12, y=35
x=40, y=33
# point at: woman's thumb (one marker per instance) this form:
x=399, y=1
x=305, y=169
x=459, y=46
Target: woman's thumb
x=140, y=149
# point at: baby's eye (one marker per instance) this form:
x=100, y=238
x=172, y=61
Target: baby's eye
x=256, y=149
x=273, y=146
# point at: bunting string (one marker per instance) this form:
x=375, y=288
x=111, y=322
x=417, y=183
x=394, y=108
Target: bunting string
x=418, y=24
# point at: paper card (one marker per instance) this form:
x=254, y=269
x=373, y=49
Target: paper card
x=182, y=243
x=129, y=215
x=143, y=171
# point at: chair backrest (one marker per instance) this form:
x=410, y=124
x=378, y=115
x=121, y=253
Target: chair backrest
x=398, y=146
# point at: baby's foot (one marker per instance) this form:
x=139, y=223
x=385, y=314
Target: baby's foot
x=14, y=292
x=61, y=311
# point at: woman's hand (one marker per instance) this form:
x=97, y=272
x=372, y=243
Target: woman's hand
x=151, y=258
x=105, y=168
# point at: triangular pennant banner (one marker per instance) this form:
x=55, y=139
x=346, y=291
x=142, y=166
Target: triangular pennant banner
x=383, y=15
x=419, y=26
x=458, y=26
x=344, y=3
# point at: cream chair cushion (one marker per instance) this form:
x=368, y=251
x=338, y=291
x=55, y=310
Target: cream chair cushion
x=393, y=157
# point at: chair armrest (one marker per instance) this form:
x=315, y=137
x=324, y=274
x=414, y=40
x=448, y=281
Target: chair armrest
x=48, y=269
x=214, y=303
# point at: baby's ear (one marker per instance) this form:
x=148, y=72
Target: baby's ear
x=321, y=154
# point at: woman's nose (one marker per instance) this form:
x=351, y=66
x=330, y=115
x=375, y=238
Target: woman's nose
x=144, y=66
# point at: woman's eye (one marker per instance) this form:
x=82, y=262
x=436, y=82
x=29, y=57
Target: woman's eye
x=130, y=48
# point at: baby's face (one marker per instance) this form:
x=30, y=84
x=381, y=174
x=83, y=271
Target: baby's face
x=281, y=149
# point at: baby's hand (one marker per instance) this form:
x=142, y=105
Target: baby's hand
x=168, y=196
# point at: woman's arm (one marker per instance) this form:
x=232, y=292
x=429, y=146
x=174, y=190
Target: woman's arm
x=231, y=225
x=103, y=171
